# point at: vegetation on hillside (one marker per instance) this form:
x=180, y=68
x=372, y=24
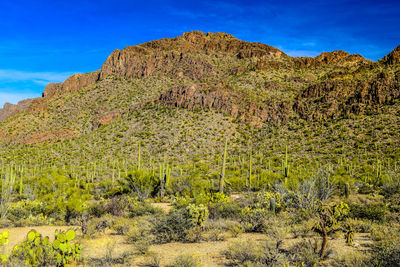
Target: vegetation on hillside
x=239, y=141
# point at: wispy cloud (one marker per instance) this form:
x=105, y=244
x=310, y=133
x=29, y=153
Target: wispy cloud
x=301, y=53
x=14, y=98
x=18, y=85
x=41, y=78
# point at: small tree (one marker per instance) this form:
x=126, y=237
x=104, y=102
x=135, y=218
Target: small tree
x=328, y=222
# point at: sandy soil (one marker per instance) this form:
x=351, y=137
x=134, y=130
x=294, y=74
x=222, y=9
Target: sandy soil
x=208, y=252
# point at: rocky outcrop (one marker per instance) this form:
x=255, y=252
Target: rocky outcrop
x=10, y=110
x=106, y=119
x=223, y=99
x=47, y=136
x=73, y=83
x=392, y=58
x=138, y=62
x=338, y=57
x=336, y=98
x=180, y=55
x=177, y=56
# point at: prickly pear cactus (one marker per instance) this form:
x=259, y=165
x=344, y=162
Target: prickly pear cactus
x=3, y=242
x=38, y=251
x=64, y=251
x=35, y=250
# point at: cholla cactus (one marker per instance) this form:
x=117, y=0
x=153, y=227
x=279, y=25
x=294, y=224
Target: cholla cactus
x=349, y=235
x=198, y=214
x=328, y=222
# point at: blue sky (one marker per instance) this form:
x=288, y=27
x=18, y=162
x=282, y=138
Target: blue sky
x=46, y=41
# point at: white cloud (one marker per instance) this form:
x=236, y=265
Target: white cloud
x=18, y=85
x=41, y=78
x=15, y=97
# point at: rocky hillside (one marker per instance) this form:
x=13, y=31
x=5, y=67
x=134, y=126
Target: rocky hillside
x=212, y=79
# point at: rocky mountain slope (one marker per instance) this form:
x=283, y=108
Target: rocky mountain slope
x=214, y=80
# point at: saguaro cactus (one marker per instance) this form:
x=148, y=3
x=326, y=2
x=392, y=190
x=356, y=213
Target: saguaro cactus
x=222, y=175
x=346, y=190
x=272, y=205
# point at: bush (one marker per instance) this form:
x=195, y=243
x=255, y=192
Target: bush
x=24, y=209
x=387, y=251
x=351, y=259
x=153, y=260
x=360, y=225
x=236, y=229
x=122, y=226
x=224, y=210
x=96, y=209
x=305, y=253
x=139, y=230
x=142, y=245
x=186, y=260
x=115, y=206
x=176, y=224
x=137, y=208
x=373, y=212
x=251, y=252
x=253, y=219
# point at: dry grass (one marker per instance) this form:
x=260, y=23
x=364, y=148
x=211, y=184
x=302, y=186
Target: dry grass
x=166, y=207
x=210, y=253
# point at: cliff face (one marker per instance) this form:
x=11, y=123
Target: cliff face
x=224, y=99
x=335, y=98
x=73, y=83
x=177, y=56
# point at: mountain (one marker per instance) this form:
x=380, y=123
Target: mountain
x=180, y=97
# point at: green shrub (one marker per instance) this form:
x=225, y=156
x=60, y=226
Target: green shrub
x=253, y=219
x=137, y=208
x=251, y=253
x=139, y=230
x=224, y=210
x=153, y=260
x=197, y=214
x=96, y=209
x=236, y=229
x=142, y=245
x=360, y=225
x=373, y=212
x=175, y=225
x=186, y=260
x=386, y=252
x=304, y=252
x=351, y=259
x=25, y=208
x=122, y=226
